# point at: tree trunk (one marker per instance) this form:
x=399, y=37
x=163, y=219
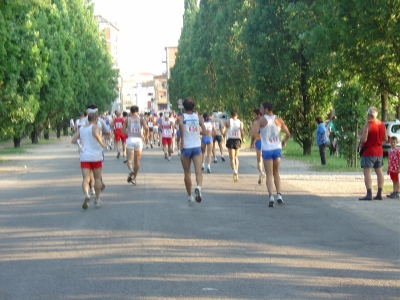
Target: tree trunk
x=307, y=144
x=385, y=105
x=58, y=131
x=46, y=134
x=17, y=142
x=35, y=136
x=65, y=130
x=398, y=112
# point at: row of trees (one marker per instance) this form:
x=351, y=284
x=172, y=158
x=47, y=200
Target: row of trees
x=307, y=57
x=53, y=62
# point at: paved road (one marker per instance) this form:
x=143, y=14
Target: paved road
x=145, y=242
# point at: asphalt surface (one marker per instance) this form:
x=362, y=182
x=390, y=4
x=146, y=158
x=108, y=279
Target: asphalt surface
x=146, y=242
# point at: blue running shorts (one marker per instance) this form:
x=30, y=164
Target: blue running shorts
x=257, y=145
x=191, y=152
x=206, y=140
x=272, y=154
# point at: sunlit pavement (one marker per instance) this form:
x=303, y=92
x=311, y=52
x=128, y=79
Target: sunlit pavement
x=146, y=242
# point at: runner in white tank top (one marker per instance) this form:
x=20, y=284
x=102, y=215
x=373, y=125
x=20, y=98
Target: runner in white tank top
x=91, y=156
x=167, y=133
x=235, y=135
x=270, y=127
x=134, y=142
x=190, y=125
x=206, y=141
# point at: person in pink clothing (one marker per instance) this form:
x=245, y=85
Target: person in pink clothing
x=394, y=167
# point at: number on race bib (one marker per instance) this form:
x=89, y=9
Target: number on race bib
x=135, y=128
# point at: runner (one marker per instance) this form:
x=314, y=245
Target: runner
x=206, y=140
x=134, y=142
x=159, y=120
x=150, y=124
x=220, y=128
x=91, y=157
x=125, y=117
x=270, y=127
x=178, y=135
x=234, y=131
x=189, y=127
x=167, y=131
x=156, y=135
x=256, y=144
x=118, y=124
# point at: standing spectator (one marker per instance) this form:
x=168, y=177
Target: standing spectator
x=372, y=136
x=332, y=135
x=72, y=126
x=322, y=139
x=394, y=167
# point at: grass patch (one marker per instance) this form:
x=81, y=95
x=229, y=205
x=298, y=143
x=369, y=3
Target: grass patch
x=333, y=163
x=12, y=151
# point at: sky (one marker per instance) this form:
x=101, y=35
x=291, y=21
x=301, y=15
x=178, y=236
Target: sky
x=146, y=27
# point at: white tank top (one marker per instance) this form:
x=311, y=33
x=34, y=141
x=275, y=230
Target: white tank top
x=166, y=129
x=233, y=132
x=91, y=149
x=133, y=127
x=208, y=126
x=270, y=135
x=191, y=127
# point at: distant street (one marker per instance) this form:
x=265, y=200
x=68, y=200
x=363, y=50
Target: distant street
x=145, y=242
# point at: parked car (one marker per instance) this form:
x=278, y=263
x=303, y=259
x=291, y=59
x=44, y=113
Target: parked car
x=392, y=129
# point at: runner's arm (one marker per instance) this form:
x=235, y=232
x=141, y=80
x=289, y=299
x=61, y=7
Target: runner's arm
x=75, y=138
x=285, y=131
x=96, y=134
x=181, y=130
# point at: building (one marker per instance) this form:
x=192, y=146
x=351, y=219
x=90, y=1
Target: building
x=111, y=32
x=170, y=54
x=160, y=92
x=138, y=89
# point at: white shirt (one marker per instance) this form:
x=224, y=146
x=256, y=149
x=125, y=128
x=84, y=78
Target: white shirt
x=270, y=135
x=191, y=127
x=91, y=150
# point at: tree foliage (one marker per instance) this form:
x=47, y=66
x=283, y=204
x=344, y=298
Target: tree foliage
x=53, y=62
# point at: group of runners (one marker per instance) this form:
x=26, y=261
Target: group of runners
x=196, y=137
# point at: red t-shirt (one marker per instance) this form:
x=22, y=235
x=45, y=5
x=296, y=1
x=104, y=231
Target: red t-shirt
x=376, y=135
x=118, y=123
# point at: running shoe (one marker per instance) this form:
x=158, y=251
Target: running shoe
x=97, y=203
x=271, y=201
x=169, y=158
x=197, y=191
x=190, y=200
x=261, y=178
x=208, y=170
x=158, y=143
x=92, y=192
x=103, y=186
x=235, y=176
x=125, y=160
x=222, y=158
x=133, y=181
x=179, y=152
x=215, y=160
x=151, y=145
x=394, y=195
x=86, y=202
x=202, y=167
x=279, y=199
x=118, y=154
x=165, y=155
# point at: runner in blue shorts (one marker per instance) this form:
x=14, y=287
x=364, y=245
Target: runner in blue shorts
x=206, y=140
x=256, y=144
x=270, y=126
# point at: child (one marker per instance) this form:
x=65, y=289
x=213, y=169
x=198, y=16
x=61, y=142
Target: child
x=394, y=167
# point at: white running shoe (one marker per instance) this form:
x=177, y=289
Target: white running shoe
x=261, y=177
x=179, y=152
x=208, y=169
x=222, y=158
x=190, y=200
x=202, y=167
x=279, y=199
x=97, y=203
x=215, y=160
x=235, y=176
x=165, y=155
x=92, y=192
x=169, y=158
x=86, y=202
x=197, y=191
x=271, y=201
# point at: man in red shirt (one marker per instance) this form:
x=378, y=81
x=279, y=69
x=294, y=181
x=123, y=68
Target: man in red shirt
x=372, y=136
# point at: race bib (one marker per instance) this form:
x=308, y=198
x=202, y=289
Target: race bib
x=235, y=132
x=192, y=126
x=167, y=132
x=135, y=128
x=216, y=124
x=150, y=124
x=118, y=125
x=273, y=138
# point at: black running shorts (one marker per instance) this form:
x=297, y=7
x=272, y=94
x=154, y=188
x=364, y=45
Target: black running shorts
x=233, y=143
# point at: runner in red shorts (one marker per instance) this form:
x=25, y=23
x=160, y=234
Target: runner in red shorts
x=167, y=132
x=118, y=124
x=91, y=156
